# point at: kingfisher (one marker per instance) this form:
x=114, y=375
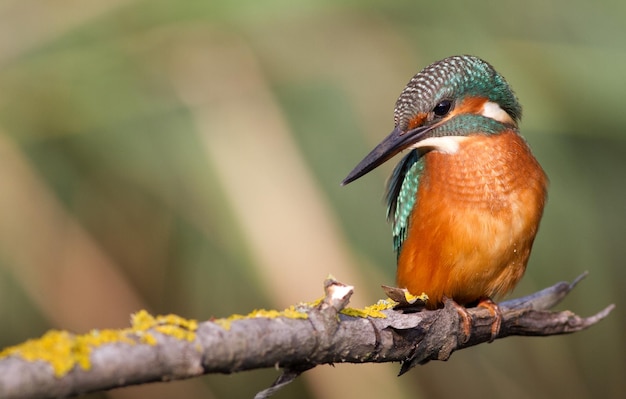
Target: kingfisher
x=466, y=200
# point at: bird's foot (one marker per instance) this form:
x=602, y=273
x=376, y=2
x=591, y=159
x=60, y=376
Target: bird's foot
x=496, y=313
x=466, y=319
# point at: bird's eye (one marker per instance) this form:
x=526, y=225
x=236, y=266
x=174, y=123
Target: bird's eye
x=442, y=108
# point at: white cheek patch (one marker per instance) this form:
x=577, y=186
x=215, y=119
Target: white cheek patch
x=445, y=144
x=492, y=110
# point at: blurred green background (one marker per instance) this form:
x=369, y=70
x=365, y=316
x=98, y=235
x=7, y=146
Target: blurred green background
x=186, y=157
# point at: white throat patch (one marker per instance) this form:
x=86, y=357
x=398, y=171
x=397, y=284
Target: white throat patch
x=445, y=144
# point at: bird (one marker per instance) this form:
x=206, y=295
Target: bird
x=466, y=200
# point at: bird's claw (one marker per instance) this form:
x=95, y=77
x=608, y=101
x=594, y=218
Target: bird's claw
x=496, y=313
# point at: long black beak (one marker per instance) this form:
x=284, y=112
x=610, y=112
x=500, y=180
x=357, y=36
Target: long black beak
x=397, y=141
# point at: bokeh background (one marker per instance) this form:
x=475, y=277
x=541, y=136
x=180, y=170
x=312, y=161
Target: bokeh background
x=186, y=157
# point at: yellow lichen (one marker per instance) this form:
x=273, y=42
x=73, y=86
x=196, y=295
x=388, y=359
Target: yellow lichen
x=293, y=313
x=269, y=314
x=224, y=323
x=176, y=332
x=147, y=338
x=410, y=298
x=374, y=310
x=174, y=320
x=55, y=347
x=172, y=325
x=101, y=337
x=290, y=313
x=142, y=320
x=64, y=351
x=314, y=303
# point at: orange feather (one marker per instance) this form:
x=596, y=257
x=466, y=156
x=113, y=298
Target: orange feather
x=475, y=219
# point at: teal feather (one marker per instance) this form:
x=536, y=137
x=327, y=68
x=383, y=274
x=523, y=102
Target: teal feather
x=401, y=195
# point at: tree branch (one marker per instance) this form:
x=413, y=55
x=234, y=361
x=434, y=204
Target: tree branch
x=169, y=347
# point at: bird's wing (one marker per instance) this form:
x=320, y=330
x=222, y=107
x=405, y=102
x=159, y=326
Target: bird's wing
x=401, y=195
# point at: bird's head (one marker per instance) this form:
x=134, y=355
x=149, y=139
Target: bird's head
x=443, y=104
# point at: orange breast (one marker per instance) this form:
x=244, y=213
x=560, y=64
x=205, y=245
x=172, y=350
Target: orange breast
x=475, y=219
